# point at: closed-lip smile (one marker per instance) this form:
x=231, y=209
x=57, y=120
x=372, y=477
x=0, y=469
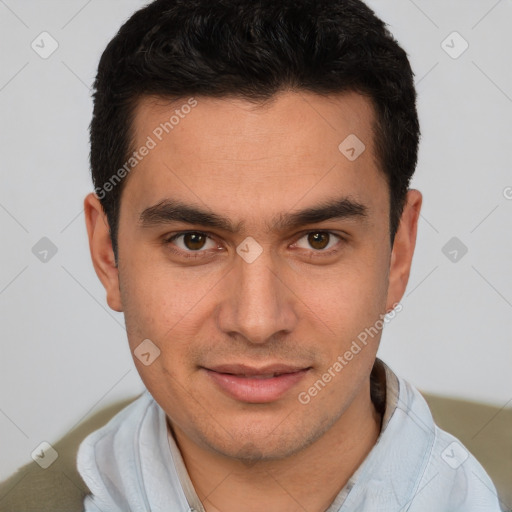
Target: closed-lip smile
x=256, y=384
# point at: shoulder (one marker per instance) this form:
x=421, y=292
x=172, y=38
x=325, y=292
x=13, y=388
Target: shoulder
x=113, y=441
x=59, y=487
x=452, y=479
x=455, y=475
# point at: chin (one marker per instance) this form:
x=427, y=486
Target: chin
x=274, y=441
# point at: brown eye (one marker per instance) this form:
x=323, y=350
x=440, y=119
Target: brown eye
x=194, y=241
x=191, y=241
x=320, y=243
x=318, y=240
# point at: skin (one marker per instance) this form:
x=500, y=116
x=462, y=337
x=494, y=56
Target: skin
x=291, y=305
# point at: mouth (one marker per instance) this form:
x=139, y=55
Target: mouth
x=256, y=385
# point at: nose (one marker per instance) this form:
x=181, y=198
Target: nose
x=258, y=304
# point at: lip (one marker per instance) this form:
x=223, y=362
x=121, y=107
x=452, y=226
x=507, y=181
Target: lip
x=256, y=385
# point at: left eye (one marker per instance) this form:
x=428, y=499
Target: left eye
x=319, y=240
x=192, y=241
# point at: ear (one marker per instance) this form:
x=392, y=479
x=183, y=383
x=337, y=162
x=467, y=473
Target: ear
x=403, y=248
x=102, y=253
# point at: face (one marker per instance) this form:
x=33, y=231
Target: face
x=253, y=252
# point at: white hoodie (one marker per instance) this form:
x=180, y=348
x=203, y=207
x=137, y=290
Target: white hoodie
x=134, y=464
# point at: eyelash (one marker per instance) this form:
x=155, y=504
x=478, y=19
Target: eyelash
x=198, y=254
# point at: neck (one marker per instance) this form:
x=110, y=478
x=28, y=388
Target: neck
x=227, y=485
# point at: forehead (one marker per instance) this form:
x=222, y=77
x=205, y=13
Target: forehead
x=234, y=122
x=240, y=155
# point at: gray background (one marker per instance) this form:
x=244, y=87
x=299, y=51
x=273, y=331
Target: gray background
x=64, y=353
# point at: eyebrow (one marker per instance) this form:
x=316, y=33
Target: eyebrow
x=168, y=211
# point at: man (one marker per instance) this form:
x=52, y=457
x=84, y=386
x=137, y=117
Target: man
x=252, y=219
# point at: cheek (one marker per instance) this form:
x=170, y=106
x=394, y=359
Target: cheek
x=166, y=308
x=350, y=299
x=154, y=309
x=156, y=300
